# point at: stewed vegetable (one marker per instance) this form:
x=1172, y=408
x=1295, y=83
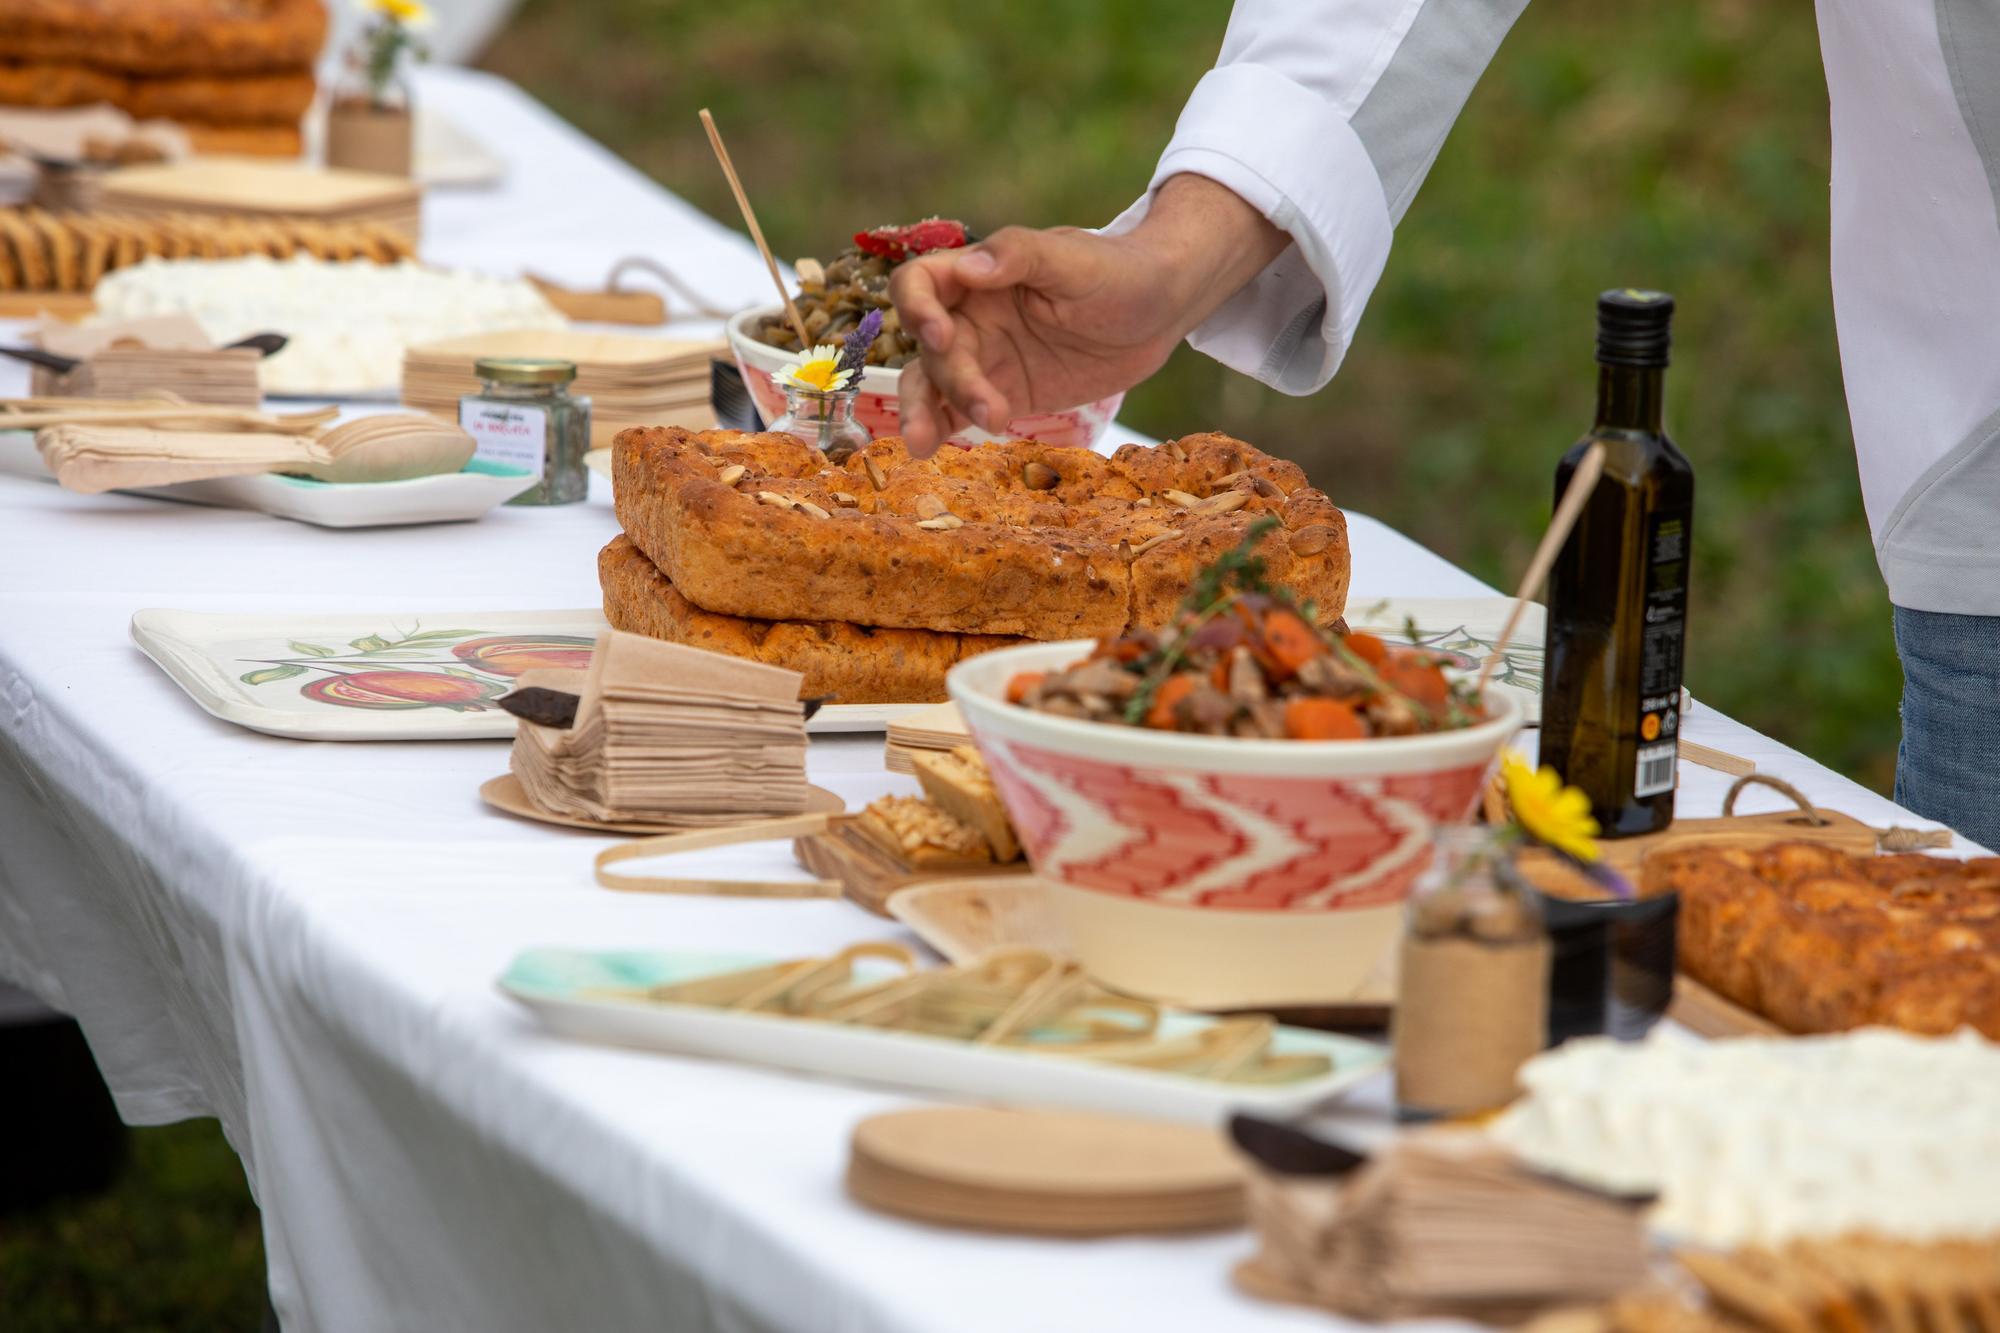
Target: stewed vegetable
x=1246, y=659
x=833, y=297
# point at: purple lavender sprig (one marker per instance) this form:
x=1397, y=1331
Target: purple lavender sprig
x=854, y=351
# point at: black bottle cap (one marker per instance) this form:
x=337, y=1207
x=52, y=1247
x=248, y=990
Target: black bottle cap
x=1632, y=327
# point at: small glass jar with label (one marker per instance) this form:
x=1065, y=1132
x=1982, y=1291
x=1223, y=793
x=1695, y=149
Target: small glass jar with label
x=525, y=419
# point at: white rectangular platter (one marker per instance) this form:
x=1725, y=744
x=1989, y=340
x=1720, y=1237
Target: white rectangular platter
x=450, y=497
x=1465, y=629
x=387, y=677
x=573, y=992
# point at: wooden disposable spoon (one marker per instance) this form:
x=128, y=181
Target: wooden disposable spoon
x=35, y=414
x=91, y=458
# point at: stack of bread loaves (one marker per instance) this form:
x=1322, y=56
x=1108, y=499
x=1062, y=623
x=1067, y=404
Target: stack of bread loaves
x=236, y=73
x=875, y=576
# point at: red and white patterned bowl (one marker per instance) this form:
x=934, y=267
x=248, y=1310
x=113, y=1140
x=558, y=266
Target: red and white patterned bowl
x=876, y=408
x=1217, y=872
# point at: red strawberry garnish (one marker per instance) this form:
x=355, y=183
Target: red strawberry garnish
x=896, y=244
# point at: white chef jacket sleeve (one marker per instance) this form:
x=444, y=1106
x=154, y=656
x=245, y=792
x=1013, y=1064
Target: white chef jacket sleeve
x=1324, y=115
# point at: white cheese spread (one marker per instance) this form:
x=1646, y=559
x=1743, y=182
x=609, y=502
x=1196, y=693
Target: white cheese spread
x=1758, y=1140
x=349, y=321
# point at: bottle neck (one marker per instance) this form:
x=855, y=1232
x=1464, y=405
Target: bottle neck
x=1628, y=397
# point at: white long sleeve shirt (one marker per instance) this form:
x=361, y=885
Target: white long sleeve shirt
x=1326, y=114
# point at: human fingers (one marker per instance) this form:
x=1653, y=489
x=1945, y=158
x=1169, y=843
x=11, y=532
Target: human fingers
x=921, y=412
x=1014, y=257
x=962, y=383
x=924, y=291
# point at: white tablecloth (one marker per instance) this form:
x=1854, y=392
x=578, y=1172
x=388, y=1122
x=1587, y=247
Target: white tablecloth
x=302, y=938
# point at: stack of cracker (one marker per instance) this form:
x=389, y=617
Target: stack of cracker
x=68, y=252
x=875, y=575
x=237, y=74
x=667, y=735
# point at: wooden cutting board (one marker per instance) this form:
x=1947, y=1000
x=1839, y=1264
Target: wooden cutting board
x=1699, y=1009
x=242, y=185
x=1828, y=828
x=866, y=870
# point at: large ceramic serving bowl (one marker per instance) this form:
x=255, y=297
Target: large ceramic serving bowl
x=1216, y=872
x=876, y=407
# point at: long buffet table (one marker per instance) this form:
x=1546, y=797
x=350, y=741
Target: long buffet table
x=302, y=938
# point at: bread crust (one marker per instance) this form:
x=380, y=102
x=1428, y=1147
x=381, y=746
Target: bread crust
x=1820, y=941
x=279, y=97
x=1099, y=546
x=162, y=37
x=857, y=664
x=245, y=140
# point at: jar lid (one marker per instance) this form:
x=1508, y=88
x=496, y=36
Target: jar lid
x=524, y=370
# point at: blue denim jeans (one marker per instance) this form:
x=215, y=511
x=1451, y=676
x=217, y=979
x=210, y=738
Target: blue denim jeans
x=1948, y=766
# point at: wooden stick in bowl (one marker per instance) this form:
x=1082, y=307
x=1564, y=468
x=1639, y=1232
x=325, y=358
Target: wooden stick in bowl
x=756, y=232
x=1581, y=483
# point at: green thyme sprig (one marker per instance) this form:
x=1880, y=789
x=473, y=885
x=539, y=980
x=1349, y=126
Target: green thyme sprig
x=1229, y=576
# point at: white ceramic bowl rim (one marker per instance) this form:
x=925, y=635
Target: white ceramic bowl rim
x=1191, y=751
x=874, y=379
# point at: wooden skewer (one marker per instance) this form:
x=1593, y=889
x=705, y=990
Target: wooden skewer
x=761, y=830
x=756, y=232
x=1581, y=483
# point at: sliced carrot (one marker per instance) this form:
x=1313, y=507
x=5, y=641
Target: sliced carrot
x=1322, y=720
x=1021, y=685
x=1289, y=643
x=1121, y=649
x=1172, y=690
x=1417, y=677
x=1368, y=648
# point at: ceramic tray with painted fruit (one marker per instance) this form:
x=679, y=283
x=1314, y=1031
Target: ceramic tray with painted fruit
x=385, y=677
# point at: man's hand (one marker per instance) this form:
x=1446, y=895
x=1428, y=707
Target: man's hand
x=1036, y=321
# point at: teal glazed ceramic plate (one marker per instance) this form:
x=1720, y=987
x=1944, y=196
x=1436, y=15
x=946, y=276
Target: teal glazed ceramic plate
x=594, y=997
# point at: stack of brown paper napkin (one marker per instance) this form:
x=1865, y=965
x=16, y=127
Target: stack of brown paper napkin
x=1444, y=1223
x=669, y=735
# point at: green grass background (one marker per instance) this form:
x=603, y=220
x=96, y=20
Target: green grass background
x=1680, y=144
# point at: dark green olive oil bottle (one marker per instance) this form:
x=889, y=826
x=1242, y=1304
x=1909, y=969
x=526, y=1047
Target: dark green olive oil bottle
x=1611, y=707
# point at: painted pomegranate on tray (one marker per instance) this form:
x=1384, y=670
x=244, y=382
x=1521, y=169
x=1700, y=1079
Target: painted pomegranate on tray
x=402, y=689
x=511, y=654
x=459, y=670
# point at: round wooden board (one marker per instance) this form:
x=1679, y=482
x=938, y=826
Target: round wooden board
x=1068, y=1153
x=506, y=793
x=1045, y=1172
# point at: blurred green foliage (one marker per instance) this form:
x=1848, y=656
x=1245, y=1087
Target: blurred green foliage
x=1680, y=144
x=174, y=1247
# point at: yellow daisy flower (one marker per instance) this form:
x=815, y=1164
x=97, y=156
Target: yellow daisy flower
x=818, y=370
x=411, y=13
x=1546, y=810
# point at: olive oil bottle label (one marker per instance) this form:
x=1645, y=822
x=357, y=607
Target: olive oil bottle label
x=1660, y=645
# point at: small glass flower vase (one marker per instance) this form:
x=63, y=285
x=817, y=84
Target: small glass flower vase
x=826, y=421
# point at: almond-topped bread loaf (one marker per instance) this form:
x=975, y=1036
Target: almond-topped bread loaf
x=165, y=36
x=857, y=664
x=1018, y=538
